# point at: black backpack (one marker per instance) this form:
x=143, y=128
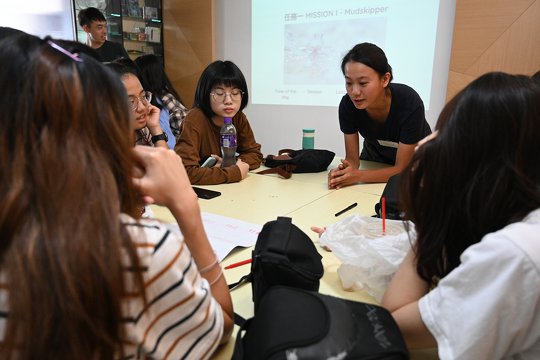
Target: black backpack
x=390, y=193
x=284, y=255
x=293, y=319
x=297, y=161
x=294, y=323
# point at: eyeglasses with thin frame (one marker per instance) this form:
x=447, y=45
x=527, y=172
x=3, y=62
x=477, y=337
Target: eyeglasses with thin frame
x=145, y=98
x=220, y=95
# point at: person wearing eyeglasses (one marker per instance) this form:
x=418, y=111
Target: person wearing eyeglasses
x=145, y=117
x=221, y=92
x=155, y=79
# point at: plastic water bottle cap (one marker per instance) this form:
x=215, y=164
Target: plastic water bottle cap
x=227, y=120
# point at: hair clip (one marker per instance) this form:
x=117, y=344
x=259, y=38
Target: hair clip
x=64, y=51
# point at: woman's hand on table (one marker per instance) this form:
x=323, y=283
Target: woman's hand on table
x=343, y=175
x=244, y=168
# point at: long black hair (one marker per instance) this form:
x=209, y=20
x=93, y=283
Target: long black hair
x=370, y=55
x=479, y=174
x=154, y=77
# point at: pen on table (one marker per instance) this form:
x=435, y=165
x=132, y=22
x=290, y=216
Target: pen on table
x=383, y=211
x=346, y=209
x=240, y=263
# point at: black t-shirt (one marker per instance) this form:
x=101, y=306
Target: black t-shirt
x=111, y=51
x=406, y=123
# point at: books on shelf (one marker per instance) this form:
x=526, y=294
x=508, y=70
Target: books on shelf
x=153, y=34
x=131, y=8
x=150, y=12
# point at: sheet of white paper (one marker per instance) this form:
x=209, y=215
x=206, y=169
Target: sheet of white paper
x=226, y=233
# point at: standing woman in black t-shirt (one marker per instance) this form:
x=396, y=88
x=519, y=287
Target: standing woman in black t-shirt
x=389, y=117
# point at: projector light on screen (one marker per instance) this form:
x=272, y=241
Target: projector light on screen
x=297, y=46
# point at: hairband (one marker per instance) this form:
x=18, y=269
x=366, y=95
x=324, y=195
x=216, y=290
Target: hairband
x=64, y=51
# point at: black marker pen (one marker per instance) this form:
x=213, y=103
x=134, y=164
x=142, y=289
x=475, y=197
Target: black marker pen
x=346, y=209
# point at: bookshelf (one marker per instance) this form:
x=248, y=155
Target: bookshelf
x=136, y=24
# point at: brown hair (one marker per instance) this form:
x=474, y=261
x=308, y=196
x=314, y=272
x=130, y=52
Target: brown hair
x=65, y=159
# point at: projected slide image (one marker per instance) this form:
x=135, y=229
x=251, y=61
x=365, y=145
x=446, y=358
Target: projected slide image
x=297, y=46
x=313, y=50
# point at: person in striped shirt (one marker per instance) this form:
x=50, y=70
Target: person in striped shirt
x=82, y=276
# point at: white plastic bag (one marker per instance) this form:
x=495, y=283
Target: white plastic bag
x=369, y=258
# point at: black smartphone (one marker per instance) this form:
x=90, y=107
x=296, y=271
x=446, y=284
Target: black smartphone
x=205, y=193
x=209, y=162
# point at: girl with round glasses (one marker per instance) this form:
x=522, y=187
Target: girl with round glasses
x=221, y=92
x=145, y=122
x=156, y=80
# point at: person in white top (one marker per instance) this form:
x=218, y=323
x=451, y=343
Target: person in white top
x=471, y=284
x=82, y=276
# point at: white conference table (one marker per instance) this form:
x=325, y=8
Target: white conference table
x=307, y=200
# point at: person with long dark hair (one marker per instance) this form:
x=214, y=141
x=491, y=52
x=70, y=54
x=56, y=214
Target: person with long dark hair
x=156, y=81
x=471, y=285
x=82, y=276
x=389, y=117
x=221, y=92
x=145, y=117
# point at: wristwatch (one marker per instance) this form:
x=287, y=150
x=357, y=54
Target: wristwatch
x=161, y=136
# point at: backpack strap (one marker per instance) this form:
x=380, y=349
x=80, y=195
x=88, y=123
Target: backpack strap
x=238, y=353
x=243, y=280
x=285, y=171
x=281, y=233
x=289, y=152
x=239, y=319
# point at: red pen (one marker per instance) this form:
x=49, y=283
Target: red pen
x=383, y=211
x=240, y=263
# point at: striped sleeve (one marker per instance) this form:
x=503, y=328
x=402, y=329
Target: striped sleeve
x=181, y=320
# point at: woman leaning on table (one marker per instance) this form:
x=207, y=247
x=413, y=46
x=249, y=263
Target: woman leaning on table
x=389, y=117
x=81, y=275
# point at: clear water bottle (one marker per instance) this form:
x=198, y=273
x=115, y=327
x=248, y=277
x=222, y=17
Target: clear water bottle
x=227, y=136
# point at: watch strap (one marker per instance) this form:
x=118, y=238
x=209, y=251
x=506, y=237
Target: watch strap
x=158, y=137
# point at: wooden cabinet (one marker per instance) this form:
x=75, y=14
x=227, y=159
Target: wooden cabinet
x=189, y=48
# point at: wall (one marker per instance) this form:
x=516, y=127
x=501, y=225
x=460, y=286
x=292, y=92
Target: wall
x=494, y=35
x=489, y=35
x=189, y=42
x=280, y=126
x=40, y=18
